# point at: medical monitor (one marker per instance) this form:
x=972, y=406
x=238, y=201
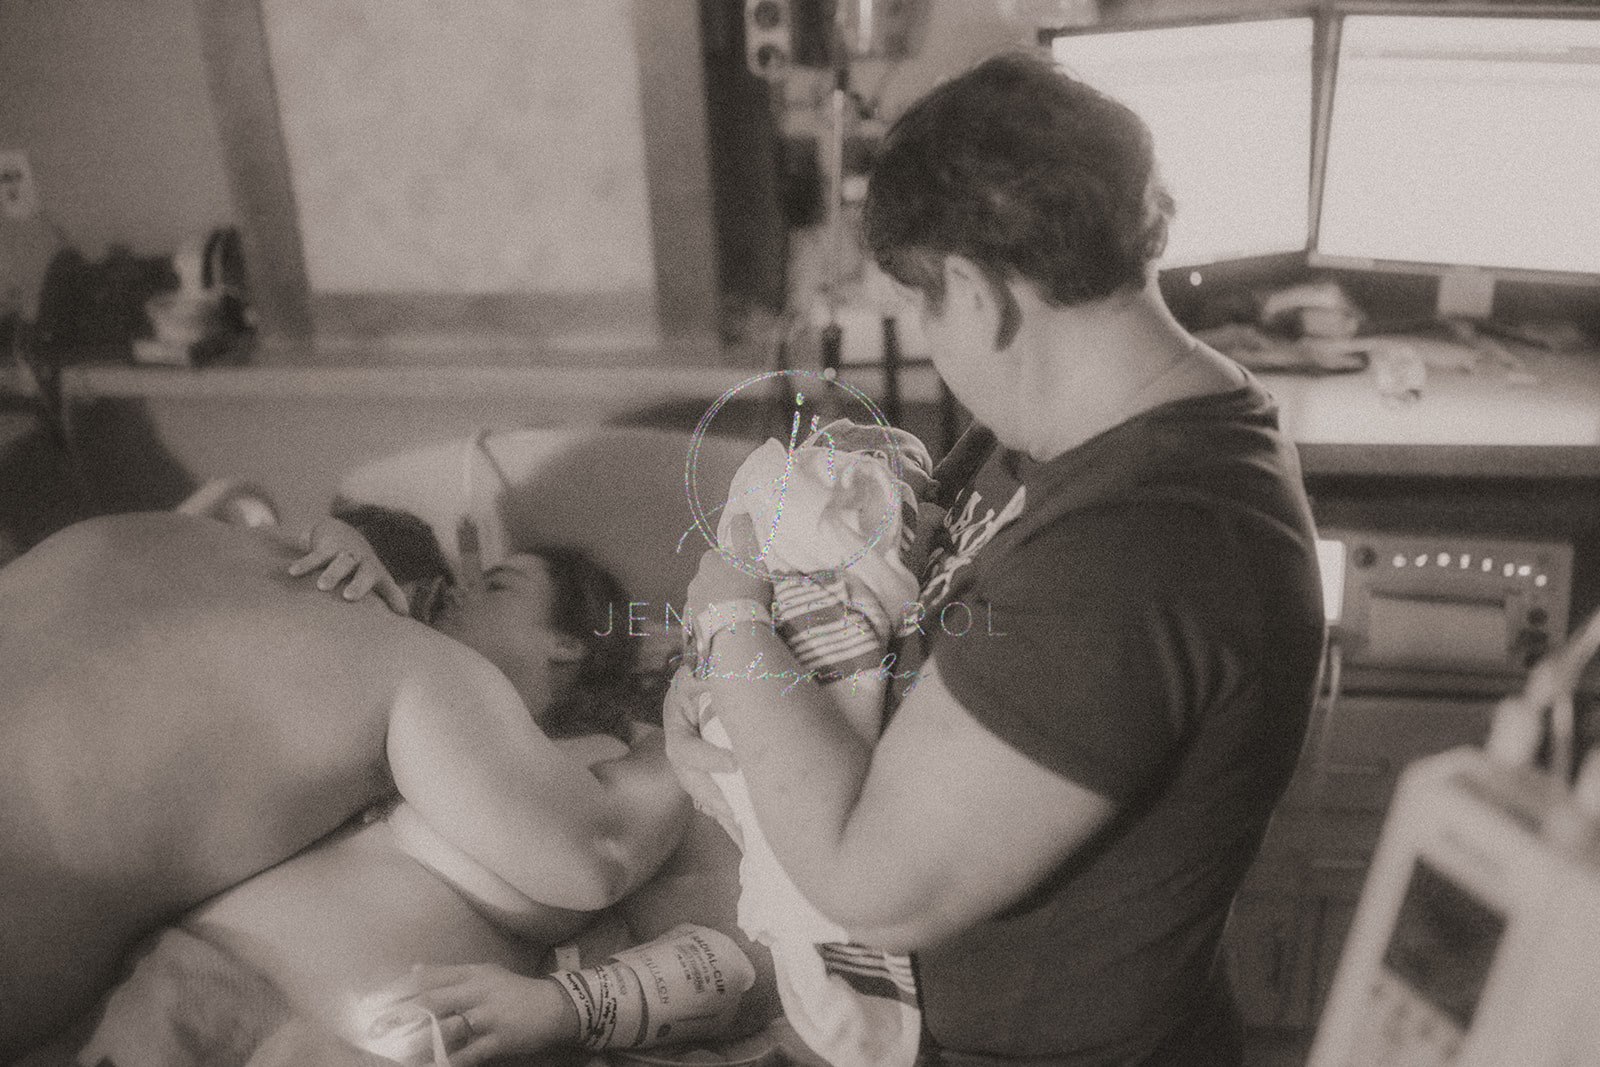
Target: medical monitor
x=1230, y=107
x=1465, y=144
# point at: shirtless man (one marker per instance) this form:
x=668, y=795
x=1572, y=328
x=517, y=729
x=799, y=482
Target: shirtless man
x=180, y=714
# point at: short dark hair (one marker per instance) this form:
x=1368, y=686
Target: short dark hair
x=1026, y=172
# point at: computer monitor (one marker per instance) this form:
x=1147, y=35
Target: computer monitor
x=1465, y=144
x=1230, y=107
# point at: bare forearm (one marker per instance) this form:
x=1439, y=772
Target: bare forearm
x=651, y=811
x=555, y=1016
x=803, y=763
x=478, y=770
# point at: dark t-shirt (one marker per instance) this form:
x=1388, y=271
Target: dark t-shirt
x=1148, y=626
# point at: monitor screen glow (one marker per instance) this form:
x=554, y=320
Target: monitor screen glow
x=1229, y=106
x=1465, y=142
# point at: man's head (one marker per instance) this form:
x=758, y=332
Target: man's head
x=1027, y=174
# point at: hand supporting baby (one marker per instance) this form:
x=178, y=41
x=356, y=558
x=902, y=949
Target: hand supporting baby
x=816, y=535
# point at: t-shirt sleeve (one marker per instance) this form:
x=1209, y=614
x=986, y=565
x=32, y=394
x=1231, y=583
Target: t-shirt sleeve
x=1083, y=649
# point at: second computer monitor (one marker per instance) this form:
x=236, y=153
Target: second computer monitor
x=1229, y=106
x=1466, y=145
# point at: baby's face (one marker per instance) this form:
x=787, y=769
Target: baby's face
x=506, y=617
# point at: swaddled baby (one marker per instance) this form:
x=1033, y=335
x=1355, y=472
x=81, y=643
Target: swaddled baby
x=830, y=521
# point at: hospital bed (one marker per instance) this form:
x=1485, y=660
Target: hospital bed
x=622, y=495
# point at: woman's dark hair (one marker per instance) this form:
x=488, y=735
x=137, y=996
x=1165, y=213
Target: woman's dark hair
x=405, y=544
x=407, y=548
x=607, y=694
x=1026, y=172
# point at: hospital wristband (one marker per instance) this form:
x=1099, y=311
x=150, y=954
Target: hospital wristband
x=685, y=984
x=610, y=1004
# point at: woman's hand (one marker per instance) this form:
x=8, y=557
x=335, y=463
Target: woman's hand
x=484, y=1012
x=339, y=550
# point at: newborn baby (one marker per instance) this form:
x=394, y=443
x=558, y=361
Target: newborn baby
x=830, y=521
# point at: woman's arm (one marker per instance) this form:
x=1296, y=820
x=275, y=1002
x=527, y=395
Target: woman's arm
x=465, y=753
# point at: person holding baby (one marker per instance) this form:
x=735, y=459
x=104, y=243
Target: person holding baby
x=1056, y=817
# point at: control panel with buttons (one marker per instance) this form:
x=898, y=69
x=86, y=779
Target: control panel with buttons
x=1446, y=602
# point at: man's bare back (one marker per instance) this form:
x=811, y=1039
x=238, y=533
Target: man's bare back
x=180, y=714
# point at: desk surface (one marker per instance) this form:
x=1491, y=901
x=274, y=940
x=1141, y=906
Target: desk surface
x=1536, y=417
x=1548, y=399
x=1540, y=419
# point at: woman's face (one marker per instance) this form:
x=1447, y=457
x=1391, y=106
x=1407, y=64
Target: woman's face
x=506, y=617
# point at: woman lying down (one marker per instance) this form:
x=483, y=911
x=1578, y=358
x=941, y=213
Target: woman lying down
x=183, y=714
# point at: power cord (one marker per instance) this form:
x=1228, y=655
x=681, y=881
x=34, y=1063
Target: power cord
x=1319, y=737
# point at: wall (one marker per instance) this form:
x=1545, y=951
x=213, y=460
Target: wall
x=464, y=148
x=475, y=151
x=109, y=99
